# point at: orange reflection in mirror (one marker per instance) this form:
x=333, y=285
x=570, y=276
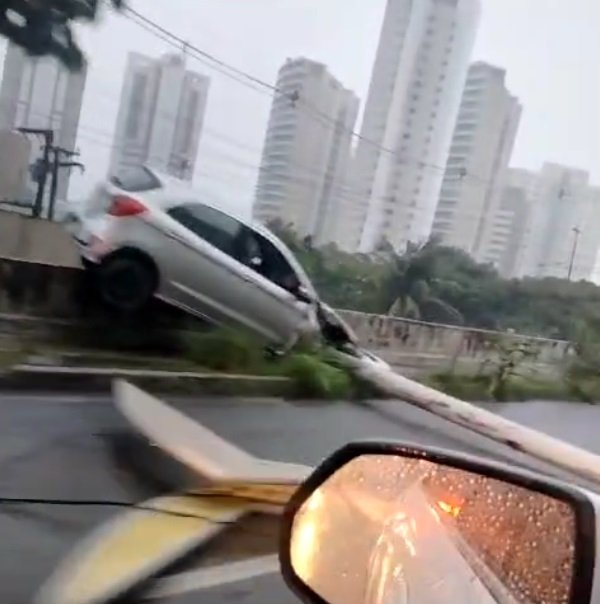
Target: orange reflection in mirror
x=452, y=510
x=383, y=527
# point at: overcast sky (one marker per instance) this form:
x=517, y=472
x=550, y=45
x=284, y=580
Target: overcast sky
x=550, y=49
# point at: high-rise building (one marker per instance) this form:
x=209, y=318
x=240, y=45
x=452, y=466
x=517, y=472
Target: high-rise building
x=411, y=110
x=561, y=234
x=509, y=222
x=306, y=152
x=38, y=92
x=507, y=226
x=469, y=215
x=160, y=118
x=585, y=250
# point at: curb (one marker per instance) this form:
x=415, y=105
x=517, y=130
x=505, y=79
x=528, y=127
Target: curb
x=32, y=378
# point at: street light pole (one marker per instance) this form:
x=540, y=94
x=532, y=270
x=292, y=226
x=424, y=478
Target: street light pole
x=577, y=232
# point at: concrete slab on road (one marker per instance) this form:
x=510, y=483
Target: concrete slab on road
x=54, y=446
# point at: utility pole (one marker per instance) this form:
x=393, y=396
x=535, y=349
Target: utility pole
x=56, y=165
x=45, y=166
x=577, y=232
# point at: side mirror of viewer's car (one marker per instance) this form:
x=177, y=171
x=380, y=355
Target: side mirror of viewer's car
x=386, y=523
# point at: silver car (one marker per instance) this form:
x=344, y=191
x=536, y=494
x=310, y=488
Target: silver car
x=147, y=234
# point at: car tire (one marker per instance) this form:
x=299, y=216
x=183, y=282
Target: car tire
x=87, y=265
x=126, y=284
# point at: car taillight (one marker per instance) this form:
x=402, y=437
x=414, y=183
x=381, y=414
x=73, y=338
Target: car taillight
x=123, y=206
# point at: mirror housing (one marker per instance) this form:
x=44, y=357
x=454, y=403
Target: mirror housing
x=465, y=540
x=303, y=295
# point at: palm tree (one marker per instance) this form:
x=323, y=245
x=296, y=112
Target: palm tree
x=407, y=288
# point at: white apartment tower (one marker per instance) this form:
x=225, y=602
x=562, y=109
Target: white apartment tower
x=160, y=117
x=38, y=92
x=306, y=152
x=411, y=110
x=468, y=215
x=563, y=225
x=508, y=223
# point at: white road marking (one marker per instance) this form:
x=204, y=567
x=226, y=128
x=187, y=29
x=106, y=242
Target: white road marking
x=6, y=396
x=214, y=576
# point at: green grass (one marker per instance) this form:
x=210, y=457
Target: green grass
x=10, y=357
x=314, y=373
x=477, y=388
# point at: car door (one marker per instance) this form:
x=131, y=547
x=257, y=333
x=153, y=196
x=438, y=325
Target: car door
x=203, y=276
x=270, y=296
x=209, y=266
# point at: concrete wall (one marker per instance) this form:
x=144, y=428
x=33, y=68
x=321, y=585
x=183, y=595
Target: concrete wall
x=406, y=343
x=39, y=290
x=36, y=240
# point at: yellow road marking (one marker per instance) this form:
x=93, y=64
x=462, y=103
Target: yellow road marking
x=136, y=545
x=277, y=494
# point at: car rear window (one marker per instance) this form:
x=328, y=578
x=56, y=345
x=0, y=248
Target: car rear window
x=213, y=226
x=136, y=180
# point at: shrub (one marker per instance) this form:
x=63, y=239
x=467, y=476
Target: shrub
x=311, y=377
x=225, y=349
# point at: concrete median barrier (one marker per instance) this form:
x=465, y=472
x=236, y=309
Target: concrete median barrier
x=31, y=289
x=36, y=240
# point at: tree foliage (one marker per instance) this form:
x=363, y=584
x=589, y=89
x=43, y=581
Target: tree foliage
x=44, y=27
x=435, y=283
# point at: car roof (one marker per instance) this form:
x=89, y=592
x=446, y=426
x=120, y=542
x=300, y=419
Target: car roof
x=186, y=192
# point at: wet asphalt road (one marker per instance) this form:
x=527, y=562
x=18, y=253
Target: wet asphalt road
x=62, y=447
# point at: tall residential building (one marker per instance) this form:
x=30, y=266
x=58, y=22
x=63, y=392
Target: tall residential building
x=563, y=224
x=38, y=92
x=160, y=118
x=469, y=215
x=509, y=222
x=306, y=152
x=411, y=110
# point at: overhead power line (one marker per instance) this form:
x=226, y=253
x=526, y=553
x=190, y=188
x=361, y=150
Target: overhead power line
x=247, y=79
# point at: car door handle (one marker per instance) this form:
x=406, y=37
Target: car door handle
x=175, y=236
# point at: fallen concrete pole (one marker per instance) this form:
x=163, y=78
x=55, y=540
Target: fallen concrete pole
x=515, y=436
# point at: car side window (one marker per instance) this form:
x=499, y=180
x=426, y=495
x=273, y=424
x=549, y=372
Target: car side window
x=272, y=264
x=213, y=226
x=136, y=180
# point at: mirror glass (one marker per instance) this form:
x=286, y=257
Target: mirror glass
x=385, y=529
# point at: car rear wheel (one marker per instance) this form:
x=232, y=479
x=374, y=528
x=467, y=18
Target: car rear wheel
x=126, y=283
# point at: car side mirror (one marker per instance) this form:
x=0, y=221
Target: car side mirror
x=303, y=294
x=382, y=522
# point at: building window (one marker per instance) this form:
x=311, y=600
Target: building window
x=138, y=92
x=189, y=120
